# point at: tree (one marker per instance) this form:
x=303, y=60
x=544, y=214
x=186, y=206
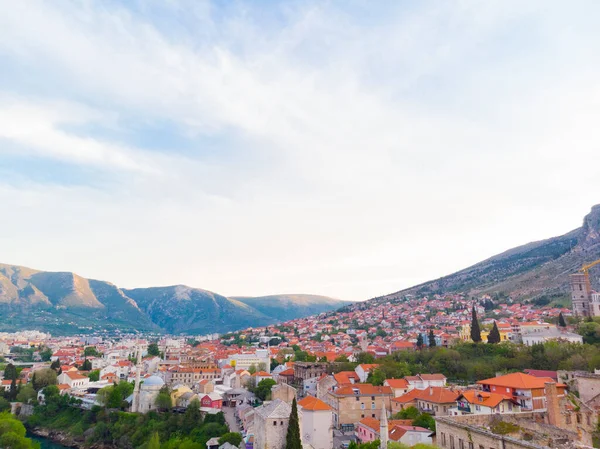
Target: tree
x=91, y=351
x=10, y=372
x=55, y=365
x=424, y=420
x=153, y=349
x=94, y=375
x=342, y=358
x=4, y=405
x=561, y=320
x=192, y=417
x=407, y=413
x=163, y=400
x=252, y=369
x=475, y=331
x=154, y=442
x=365, y=358
x=420, y=341
x=12, y=433
x=262, y=366
x=376, y=377
x=43, y=378
x=46, y=354
x=86, y=366
x=494, y=335
x=263, y=389
x=292, y=439
x=431, y=339
x=27, y=394
x=233, y=438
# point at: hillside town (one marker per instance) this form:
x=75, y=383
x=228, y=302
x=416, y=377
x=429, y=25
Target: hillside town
x=352, y=374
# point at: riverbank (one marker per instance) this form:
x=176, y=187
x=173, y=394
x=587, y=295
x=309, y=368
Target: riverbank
x=59, y=439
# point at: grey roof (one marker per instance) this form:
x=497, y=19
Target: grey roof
x=276, y=409
x=227, y=445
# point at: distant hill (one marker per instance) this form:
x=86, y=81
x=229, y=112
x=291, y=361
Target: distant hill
x=63, y=302
x=286, y=307
x=528, y=271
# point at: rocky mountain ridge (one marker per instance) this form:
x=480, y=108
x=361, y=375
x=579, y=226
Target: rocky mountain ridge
x=63, y=302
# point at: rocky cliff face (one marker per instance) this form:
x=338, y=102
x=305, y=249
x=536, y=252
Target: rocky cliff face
x=526, y=271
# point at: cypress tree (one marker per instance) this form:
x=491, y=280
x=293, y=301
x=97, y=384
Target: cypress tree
x=475, y=331
x=561, y=320
x=292, y=439
x=420, y=341
x=431, y=339
x=494, y=335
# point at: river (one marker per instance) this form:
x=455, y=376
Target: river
x=45, y=442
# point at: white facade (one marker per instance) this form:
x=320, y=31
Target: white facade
x=552, y=333
x=245, y=361
x=316, y=428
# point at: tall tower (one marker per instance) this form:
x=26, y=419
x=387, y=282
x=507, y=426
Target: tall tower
x=383, y=429
x=581, y=294
x=135, y=403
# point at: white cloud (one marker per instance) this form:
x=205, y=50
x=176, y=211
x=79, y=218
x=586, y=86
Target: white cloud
x=373, y=150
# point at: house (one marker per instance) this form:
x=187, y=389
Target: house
x=211, y=400
x=399, y=430
x=398, y=386
x=552, y=333
x=434, y=400
x=422, y=381
x=363, y=370
x=261, y=375
x=316, y=423
x=73, y=379
x=271, y=424
x=527, y=390
x=484, y=403
x=353, y=402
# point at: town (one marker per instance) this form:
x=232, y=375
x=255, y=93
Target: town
x=449, y=371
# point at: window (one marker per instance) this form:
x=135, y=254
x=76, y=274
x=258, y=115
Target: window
x=451, y=442
x=281, y=423
x=357, y=398
x=274, y=423
x=362, y=405
x=444, y=440
x=372, y=406
x=372, y=398
x=461, y=444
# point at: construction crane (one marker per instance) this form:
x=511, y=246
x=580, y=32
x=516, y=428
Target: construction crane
x=586, y=267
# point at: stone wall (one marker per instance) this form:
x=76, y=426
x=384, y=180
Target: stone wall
x=533, y=432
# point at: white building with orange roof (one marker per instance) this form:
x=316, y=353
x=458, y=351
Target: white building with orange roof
x=484, y=403
x=73, y=379
x=316, y=423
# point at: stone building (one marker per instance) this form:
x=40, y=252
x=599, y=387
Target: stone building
x=308, y=370
x=352, y=403
x=284, y=392
x=270, y=425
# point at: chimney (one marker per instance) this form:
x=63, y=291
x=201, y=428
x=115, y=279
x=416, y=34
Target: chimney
x=430, y=391
x=552, y=406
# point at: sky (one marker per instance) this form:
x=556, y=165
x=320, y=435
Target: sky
x=344, y=148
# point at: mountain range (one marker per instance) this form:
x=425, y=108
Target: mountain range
x=63, y=302
x=529, y=271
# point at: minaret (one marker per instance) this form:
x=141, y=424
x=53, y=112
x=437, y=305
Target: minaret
x=135, y=403
x=383, y=429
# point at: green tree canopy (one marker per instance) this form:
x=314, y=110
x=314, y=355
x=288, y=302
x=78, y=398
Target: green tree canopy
x=431, y=339
x=561, y=320
x=494, y=335
x=420, y=341
x=475, y=330
x=292, y=439
x=233, y=438
x=43, y=378
x=263, y=389
x=153, y=349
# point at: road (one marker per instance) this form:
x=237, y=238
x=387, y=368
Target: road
x=340, y=437
x=229, y=413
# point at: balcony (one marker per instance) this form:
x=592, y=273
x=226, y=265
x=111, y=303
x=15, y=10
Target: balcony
x=464, y=408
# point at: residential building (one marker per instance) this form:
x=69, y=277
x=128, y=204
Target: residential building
x=352, y=403
x=527, y=390
x=73, y=379
x=398, y=386
x=423, y=381
x=434, y=400
x=483, y=402
x=316, y=423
